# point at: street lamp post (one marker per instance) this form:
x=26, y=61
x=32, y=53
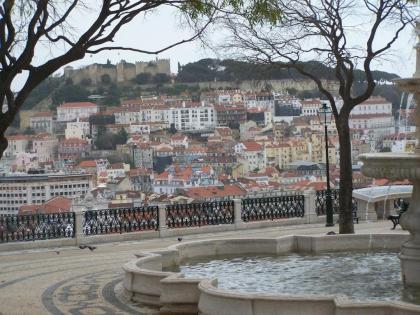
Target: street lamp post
x=325, y=116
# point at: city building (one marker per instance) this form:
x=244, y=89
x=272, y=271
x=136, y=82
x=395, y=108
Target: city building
x=193, y=117
x=73, y=149
x=42, y=122
x=18, y=144
x=230, y=115
x=19, y=189
x=77, y=129
x=72, y=111
x=44, y=145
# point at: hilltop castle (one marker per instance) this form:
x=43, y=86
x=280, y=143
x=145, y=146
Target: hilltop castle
x=121, y=72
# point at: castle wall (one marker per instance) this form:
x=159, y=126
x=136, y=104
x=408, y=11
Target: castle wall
x=121, y=72
x=125, y=71
x=154, y=67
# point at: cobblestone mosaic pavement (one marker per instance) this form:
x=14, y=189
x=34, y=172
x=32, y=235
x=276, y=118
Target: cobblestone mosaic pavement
x=69, y=280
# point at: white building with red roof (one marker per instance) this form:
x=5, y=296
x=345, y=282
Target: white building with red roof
x=74, y=110
x=252, y=155
x=310, y=107
x=373, y=106
x=180, y=140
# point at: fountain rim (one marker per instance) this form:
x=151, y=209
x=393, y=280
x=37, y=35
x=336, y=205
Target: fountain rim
x=147, y=267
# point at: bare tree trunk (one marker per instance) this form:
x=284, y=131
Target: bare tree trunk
x=346, y=225
x=3, y=145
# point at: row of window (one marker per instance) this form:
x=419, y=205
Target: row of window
x=13, y=188
x=13, y=195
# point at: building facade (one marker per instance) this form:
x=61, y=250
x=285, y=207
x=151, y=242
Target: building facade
x=26, y=189
x=72, y=111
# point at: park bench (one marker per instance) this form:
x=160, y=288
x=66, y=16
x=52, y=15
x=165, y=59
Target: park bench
x=395, y=218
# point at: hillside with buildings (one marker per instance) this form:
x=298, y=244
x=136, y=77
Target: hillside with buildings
x=172, y=148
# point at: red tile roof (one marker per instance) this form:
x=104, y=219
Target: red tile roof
x=89, y=163
x=214, y=191
x=252, y=146
x=17, y=137
x=56, y=204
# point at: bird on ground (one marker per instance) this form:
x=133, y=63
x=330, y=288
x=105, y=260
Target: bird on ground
x=331, y=233
x=57, y=252
x=91, y=248
x=179, y=239
x=82, y=246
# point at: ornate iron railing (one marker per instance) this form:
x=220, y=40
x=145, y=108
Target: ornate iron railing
x=124, y=220
x=199, y=214
x=320, y=201
x=17, y=228
x=272, y=208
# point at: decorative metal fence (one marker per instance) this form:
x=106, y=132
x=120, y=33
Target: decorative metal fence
x=272, y=208
x=320, y=201
x=18, y=228
x=109, y=221
x=199, y=214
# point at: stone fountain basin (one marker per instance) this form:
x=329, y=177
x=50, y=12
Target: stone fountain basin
x=145, y=282
x=393, y=166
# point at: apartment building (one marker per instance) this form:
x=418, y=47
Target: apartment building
x=72, y=111
x=21, y=189
x=42, y=122
x=193, y=116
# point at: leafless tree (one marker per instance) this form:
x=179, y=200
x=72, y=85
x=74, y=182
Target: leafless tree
x=328, y=31
x=26, y=25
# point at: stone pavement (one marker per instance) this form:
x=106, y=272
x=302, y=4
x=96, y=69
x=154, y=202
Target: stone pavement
x=70, y=280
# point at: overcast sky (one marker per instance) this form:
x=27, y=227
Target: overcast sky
x=162, y=28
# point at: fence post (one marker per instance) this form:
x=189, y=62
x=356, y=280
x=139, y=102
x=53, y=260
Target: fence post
x=309, y=206
x=80, y=235
x=237, y=207
x=162, y=221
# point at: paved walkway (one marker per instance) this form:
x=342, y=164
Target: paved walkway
x=69, y=280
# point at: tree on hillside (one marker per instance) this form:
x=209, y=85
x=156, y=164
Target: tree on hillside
x=26, y=25
x=121, y=137
x=143, y=78
x=161, y=78
x=324, y=29
x=69, y=93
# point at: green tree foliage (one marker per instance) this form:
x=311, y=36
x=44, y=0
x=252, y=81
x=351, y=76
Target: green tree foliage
x=70, y=93
x=161, y=78
x=121, y=137
x=42, y=91
x=143, y=78
x=232, y=70
x=106, y=140
x=105, y=79
x=112, y=96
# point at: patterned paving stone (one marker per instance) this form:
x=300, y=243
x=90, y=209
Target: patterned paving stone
x=83, y=282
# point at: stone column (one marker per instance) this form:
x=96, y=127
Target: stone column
x=237, y=204
x=309, y=206
x=80, y=235
x=410, y=251
x=162, y=221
